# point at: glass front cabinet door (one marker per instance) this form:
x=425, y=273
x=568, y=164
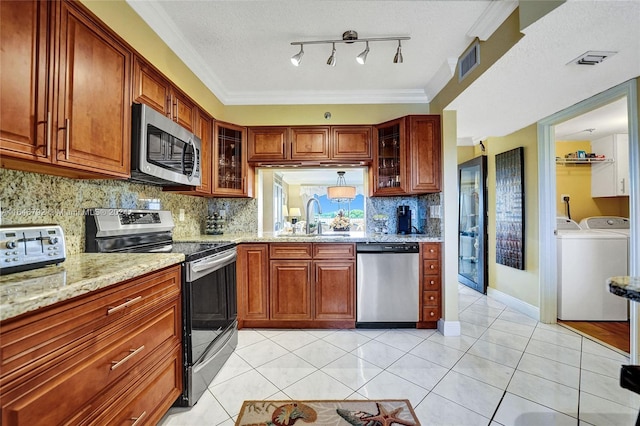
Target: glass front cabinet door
x=230, y=160
x=472, y=225
x=390, y=167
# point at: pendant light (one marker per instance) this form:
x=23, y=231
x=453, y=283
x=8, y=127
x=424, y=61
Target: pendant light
x=341, y=192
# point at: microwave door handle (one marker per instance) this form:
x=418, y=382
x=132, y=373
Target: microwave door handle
x=195, y=160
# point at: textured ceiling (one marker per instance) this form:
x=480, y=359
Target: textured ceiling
x=240, y=49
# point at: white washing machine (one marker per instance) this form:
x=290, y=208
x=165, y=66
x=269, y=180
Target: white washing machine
x=586, y=258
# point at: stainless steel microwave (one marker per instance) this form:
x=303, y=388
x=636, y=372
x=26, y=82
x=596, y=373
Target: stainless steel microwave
x=163, y=152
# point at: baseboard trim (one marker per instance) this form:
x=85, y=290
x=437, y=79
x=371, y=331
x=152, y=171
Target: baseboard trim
x=449, y=328
x=515, y=303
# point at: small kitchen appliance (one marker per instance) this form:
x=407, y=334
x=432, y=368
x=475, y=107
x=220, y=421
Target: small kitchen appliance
x=209, y=314
x=26, y=247
x=404, y=220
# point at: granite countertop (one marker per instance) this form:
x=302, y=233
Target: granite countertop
x=628, y=287
x=81, y=273
x=328, y=237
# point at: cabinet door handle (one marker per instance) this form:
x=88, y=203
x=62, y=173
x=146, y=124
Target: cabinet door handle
x=124, y=305
x=133, y=352
x=138, y=419
x=175, y=110
x=48, y=136
x=66, y=137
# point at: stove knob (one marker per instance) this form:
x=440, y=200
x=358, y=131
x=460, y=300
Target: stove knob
x=53, y=240
x=11, y=244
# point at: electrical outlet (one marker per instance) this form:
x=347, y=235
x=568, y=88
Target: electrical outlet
x=564, y=197
x=181, y=215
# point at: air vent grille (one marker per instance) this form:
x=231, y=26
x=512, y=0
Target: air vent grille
x=592, y=57
x=469, y=60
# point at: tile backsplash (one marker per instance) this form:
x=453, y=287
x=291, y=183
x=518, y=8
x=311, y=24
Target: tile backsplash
x=420, y=207
x=27, y=198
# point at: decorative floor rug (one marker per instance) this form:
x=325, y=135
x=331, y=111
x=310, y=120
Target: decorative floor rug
x=385, y=412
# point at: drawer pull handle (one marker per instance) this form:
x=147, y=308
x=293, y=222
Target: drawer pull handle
x=432, y=282
x=124, y=305
x=431, y=314
x=137, y=420
x=134, y=352
x=431, y=251
x=432, y=266
x=432, y=298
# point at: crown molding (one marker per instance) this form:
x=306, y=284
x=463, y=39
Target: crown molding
x=492, y=17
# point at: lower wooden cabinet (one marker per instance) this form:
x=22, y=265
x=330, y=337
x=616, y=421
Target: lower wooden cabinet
x=301, y=285
x=112, y=354
x=430, y=285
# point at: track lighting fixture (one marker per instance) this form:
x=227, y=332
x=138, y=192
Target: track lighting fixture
x=349, y=37
x=398, y=58
x=332, y=59
x=362, y=57
x=295, y=59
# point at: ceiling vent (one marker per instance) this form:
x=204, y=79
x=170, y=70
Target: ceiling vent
x=469, y=61
x=592, y=57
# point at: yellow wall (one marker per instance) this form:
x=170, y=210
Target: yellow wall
x=575, y=180
x=521, y=284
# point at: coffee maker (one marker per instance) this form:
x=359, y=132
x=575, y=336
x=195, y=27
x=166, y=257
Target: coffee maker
x=404, y=220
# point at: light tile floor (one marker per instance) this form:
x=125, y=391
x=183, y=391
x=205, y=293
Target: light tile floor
x=504, y=369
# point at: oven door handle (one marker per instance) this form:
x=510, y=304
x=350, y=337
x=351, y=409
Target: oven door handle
x=214, y=264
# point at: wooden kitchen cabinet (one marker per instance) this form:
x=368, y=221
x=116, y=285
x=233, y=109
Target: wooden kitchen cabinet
x=290, y=290
x=153, y=89
x=112, y=352
x=232, y=176
x=424, y=153
x=307, y=285
x=430, y=285
x=252, y=267
x=310, y=144
x=65, y=101
x=407, y=156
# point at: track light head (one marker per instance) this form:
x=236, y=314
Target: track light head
x=297, y=58
x=332, y=59
x=398, y=58
x=362, y=57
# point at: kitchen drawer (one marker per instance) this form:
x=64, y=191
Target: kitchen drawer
x=431, y=282
x=430, y=250
x=430, y=267
x=36, y=338
x=68, y=386
x=430, y=298
x=333, y=251
x=290, y=251
x=143, y=400
x=430, y=313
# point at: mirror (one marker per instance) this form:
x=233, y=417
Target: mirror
x=472, y=224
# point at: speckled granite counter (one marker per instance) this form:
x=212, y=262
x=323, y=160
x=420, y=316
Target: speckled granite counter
x=79, y=274
x=351, y=237
x=628, y=287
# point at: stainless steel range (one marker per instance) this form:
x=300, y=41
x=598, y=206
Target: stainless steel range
x=26, y=247
x=210, y=326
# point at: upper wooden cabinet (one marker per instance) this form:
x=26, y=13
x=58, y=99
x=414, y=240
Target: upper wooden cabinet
x=231, y=174
x=407, y=156
x=153, y=89
x=310, y=144
x=65, y=106
x=424, y=153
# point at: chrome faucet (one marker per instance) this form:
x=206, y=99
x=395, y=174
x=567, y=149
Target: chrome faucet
x=308, y=215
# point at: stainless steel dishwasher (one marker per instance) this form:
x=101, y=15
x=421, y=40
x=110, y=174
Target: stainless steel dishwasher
x=388, y=285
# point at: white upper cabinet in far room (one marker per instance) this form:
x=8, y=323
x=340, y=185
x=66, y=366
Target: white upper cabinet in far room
x=611, y=179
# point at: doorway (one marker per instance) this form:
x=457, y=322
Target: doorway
x=547, y=201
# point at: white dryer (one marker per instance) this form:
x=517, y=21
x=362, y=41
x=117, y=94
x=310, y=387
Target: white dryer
x=586, y=258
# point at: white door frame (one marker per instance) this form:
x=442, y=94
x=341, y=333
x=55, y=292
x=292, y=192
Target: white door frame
x=547, y=200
